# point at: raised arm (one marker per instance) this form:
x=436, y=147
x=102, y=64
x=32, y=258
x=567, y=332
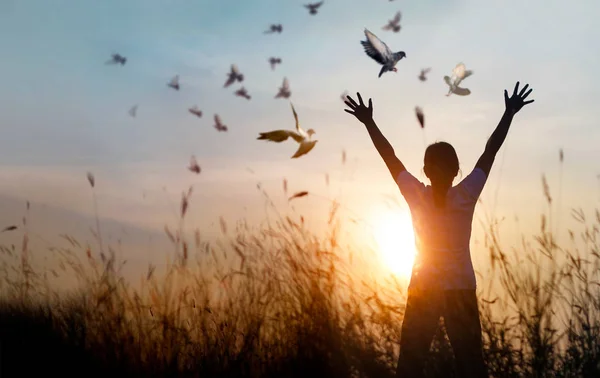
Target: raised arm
x=513, y=105
x=365, y=115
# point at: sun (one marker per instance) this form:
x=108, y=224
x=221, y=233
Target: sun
x=395, y=240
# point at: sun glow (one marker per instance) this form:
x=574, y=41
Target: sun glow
x=395, y=240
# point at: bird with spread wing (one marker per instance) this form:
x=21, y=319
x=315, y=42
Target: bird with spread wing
x=314, y=7
x=195, y=111
x=284, y=90
x=219, y=126
x=243, y=92
x=117, y=59
x=303, y=138
x=381, y=53
x=394, y=24
x=273, y=61
x=459, y=73
x=233, y=76
x=424, y=72
x=174, y=83
x=274, y=28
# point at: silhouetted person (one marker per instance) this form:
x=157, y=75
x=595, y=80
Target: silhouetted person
x=442, y=281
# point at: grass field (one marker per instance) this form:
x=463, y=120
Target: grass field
x=278, y=301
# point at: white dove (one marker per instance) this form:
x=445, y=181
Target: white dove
x=233, y=76
x=300, y=136
x=174, y=83
x=394, y=24
x=284, y=91
x=459, y=73
x=381, y=53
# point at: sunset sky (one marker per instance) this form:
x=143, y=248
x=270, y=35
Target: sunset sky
x=63, y=112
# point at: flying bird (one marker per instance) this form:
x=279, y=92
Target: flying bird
x=233, y=76
x=117, y=59
x=274, y=28
x=312, y=8
x=218, y=124
x=394, y=24
x=459, y=73
x=274, y=61
x=195, y=111
x=242, y=92
x=133, y=111
x=299, y=135
x=194, y=167
x=381, y=53
x=284, y=91
x=174, y=83
x=420, y=116
x=424, y=72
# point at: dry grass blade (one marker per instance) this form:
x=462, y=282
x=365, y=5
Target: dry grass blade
x=184, y=204
x=298, y=195
x=285, y=186
x=9, y=228
x=185, y=252
x=223, y=225
x=241, y=255
x=343, y=156
x=546, y=189
x=150, y=272
x=197, y=238
x=169, y=234
x=91, y=179
x=561, y=155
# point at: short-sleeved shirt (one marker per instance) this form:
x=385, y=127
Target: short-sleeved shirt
x=442, y=235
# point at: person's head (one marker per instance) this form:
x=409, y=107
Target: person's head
x=440, y=163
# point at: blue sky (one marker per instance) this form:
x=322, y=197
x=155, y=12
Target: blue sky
x=64, y=112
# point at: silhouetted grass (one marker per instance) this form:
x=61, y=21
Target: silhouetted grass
x=275, y=300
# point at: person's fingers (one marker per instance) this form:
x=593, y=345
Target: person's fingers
x=505, y=95
x=516, y=89
x=360, y=99
x=351, y=106
x=526, y=94
x=523, y=90
x=528, y=102
x=352, y=101
x=349, y=111
x=370, y=104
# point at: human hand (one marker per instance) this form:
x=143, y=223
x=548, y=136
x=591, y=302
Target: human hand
x=360, y=111
x=515, y=102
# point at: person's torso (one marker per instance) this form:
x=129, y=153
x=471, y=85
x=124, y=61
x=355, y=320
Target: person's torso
x=442, y=237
